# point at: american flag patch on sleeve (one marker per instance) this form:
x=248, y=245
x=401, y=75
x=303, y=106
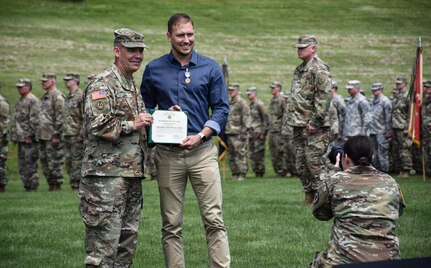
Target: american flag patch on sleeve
x=98, y=95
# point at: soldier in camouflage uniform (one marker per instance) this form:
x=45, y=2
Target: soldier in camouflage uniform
x=275, y=117
x=380, y=127
x=340, y=106
x=289, y=149
x=400, y=142
x=258, y=131
x=237, y=128
x=150, y=166
x=112, y=167
x=365, y=204
x=426, y=126
x=308, y=114
x=50, y=132
x=24, y=128
x=4, y=125
x=358, y=115
x=73, y=136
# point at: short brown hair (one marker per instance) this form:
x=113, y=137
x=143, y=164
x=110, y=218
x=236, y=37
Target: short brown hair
x=177, y=18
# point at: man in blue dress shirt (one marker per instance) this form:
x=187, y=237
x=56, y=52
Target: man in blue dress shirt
x=187, y=81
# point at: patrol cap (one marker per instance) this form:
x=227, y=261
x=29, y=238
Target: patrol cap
x=376, y=86
x=334, y=84
x=23, y=81
x=306, y=40
x=275, y=84
x=400, y=80
x=70, y=76
x=48, y=76
x=353, y=83
x=251, y=90
x=427, y=83
x=233, y=86
x=129, y=38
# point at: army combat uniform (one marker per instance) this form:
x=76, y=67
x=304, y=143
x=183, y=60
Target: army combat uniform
x=365, y=203
x=51, y=125
x=309, y=104
x=276, y=142
x=380, y=126
x=237, y=128
x=401, y=143
x=73, y=136
x=112, y=169
x=426, y=130
x=24, y=128
x=358, y=117
x=4, y=125
x=258, y=131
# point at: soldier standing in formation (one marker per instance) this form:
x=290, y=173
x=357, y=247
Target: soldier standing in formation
x=307, y=113
x=380, y=127
x=400, y=142
x=258, y=131
x=24, y=129
x=365, y=204
x=340, y=106
x=275, y=118
x=426, y=126
x=50, y=132
x=358, y=116
x=4, y=125
x=112, y=171
x=237, y=128
x=287, y=136
x=73, y=136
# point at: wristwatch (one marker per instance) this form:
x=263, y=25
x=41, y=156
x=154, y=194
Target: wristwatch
x=203, y=137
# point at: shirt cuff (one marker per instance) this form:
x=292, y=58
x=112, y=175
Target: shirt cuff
x=213, y=125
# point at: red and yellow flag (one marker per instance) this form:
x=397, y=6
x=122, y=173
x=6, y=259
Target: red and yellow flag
x=416, y=89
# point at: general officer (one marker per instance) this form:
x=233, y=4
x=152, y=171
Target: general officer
x=112, y=170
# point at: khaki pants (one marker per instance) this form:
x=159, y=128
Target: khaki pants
x=174, y=166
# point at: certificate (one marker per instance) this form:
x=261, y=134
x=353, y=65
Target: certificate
x=168, y=127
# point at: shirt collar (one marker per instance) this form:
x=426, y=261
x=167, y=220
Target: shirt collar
x=120, y=76
x=193, y=60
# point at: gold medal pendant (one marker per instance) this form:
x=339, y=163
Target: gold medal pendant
x=187, y=80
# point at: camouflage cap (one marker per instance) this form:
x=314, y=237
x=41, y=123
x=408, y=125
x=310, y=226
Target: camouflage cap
x=400, y=80
x=427, y=83
x=334, y=84
x=233, y=86
x=275, y=84
x=48, y=76
x=23, y=81
x=70, y=76
x=251, y=90
x=306, y=40
x=129, y=38
x=376, y=86
x=353, y=83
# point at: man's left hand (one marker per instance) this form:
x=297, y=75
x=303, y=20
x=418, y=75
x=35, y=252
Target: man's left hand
x=311, y=129
x=191, y=142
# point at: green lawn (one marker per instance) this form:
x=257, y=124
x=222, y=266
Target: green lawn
x=267, y=226
x=360, y=39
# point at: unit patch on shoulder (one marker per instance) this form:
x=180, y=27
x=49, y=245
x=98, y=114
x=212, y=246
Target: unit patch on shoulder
x=98, y=95
x=100, y=105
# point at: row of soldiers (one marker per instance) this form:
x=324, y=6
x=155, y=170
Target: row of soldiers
x=384, y=119
x=48, y=129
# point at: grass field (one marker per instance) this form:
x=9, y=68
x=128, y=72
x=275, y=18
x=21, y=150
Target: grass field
x=365, y=40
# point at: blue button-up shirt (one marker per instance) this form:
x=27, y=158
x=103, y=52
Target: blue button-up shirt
x=163, y=85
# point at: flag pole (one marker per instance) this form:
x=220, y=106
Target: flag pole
x=423, y=151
